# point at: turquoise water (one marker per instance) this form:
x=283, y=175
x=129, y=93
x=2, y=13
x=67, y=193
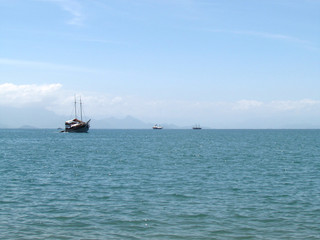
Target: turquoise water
x=168, y=184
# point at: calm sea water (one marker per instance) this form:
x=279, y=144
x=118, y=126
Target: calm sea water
x=168, y=184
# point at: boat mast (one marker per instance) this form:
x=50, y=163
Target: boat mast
x=80, y=109
x=75, y=107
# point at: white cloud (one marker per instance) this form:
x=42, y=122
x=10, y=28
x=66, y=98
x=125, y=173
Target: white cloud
x=246, y=104
x=266, y=35
x=96, y=105
x=278, y=106
x=44, y=65
x=304, y=104
x=73, y=7
x=272, y=36
x=20, y=95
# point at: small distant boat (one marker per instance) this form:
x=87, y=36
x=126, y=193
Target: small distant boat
x=156, y=126
x=75, y=125
x=196, y=127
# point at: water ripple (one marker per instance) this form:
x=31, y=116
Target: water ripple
x=170, y=184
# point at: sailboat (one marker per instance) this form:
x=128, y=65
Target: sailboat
x=75, y=125
x=196, y=127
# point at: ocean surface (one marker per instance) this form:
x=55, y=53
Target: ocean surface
x=160, y=184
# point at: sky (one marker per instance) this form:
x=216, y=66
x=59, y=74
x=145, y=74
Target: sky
x=217, y=63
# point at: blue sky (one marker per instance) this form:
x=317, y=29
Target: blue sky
x=223, y=63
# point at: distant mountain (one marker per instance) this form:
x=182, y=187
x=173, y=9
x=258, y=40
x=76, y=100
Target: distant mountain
x=32, y=117
x=3, y=125
x=29, y=117
x=128, y=122
x=27, y=127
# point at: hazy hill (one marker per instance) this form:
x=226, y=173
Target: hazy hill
x=31, y=117
x=128, y=122
x=115, y=123
x=41, y=118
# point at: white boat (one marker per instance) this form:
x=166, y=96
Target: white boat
x=157, y=127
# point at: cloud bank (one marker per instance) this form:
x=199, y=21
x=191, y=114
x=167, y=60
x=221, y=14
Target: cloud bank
x=22, y=95
x=54, y=98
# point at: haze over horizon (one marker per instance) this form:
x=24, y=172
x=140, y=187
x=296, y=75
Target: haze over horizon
x=221, y=64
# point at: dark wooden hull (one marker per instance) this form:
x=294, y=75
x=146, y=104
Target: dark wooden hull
x=78, y=129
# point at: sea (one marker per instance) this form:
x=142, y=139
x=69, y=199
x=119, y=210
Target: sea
x=160, y=184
